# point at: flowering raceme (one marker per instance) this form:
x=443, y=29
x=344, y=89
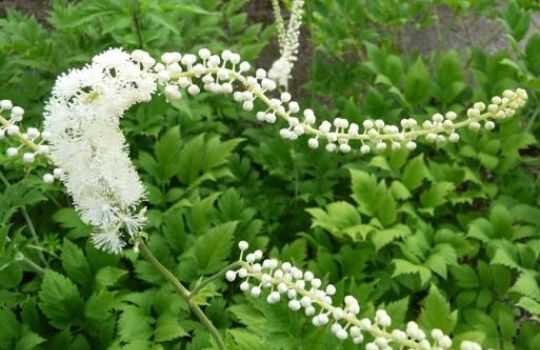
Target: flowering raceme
x=288, y=40
x=276, y=280
x=83, y=118
x=82, y=136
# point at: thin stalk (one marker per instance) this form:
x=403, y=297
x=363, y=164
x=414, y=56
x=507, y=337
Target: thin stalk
x=29, y=222
x=135, y=12
x=212, y=278
x=184, y=293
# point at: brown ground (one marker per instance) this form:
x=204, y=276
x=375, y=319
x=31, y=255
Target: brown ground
x=35, y=8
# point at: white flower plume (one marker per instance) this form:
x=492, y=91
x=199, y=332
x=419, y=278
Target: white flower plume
x=288, y=37
x=83, y=118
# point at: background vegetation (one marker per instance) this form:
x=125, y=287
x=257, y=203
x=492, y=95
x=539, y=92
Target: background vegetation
x=447, y=235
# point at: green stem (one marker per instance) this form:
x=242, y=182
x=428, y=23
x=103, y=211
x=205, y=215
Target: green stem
x=184, y=293
x=29, y=222
x=212, y=278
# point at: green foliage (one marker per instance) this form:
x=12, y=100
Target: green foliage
x=448, y=235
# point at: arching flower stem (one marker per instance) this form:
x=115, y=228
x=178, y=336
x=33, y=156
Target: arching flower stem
x=183, y=291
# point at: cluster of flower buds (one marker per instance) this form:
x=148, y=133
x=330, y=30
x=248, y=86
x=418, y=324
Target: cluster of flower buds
x=227, y=74
x=275, y=281
x=288, y=39
x=31, y=143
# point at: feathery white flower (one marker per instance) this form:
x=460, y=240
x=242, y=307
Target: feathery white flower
x=288, y=39
x=83, y=118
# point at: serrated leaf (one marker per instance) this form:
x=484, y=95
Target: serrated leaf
x=404, y=267
x=436, y=312
x=60, y=300
x=381, y=238
x=213, y=248
x=336, y=219
x=436, y=194
x=75, y=264
x=168, y=328
x=527, y=285
x=108, y=276
x=134, y=324
x=415, y=172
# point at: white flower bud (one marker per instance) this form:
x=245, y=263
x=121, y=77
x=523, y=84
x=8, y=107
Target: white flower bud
x=270, y=118
x=57, y=172
x=273, y=298
x=345, y=148
x=256, y=291
x=6, y=104
x=473, y=113
x=204, y=53
x=12, y=129
x=244, y=66
x=244, y=286
x=17, y=112
x=294, y=107
x=230, y=275
x=294, y=305
x=173, y=93
x=365, y=149
x=489, y=125
x=193, y=90
x=453, y=137
x=451, y=115
x=437, y=118
x=480, y=106
x=243, y=245
x=247, y=105
x=325, y=126
x=379, y=123
x=32, y=133
x=313, y=143
x=268, y=84
x=330, y=289
x=411, y=145
x=29, y=157
x=474, y=126
x=368, y=124
x=285, y=97
x=48, y=178
x=260, y=74
x=310, y=311
x=381, y=146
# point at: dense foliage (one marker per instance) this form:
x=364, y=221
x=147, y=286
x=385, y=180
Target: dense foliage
x=447, y=235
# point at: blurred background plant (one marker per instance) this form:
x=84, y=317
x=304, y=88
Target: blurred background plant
x=447, y=235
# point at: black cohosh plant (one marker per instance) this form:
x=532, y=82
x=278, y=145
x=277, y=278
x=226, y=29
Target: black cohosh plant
x=82, y=141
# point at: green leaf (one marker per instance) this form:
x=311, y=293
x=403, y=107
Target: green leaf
x=436, y=194
x=60, y=300
x=532, y=53
x=404, y=267
x=213, y=248
x=526, y=285
x=98, y=312
x=134, y=324
x=381, y=238
x=436, y=312
x=108, y=276
x=28, y=340
x=417, y=83
x=168, y=328
x=10, y=329
x=70, y=220
x=336, y=219
x=75, y=264
x=415, y=172
x=465, y=276
x=167, y=151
